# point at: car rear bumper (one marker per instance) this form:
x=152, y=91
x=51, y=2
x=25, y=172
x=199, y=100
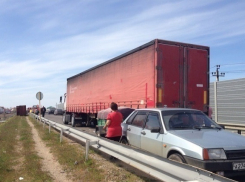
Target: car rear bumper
x=217, y=165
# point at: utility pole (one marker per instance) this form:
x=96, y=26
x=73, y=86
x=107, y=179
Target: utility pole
x=217, y=74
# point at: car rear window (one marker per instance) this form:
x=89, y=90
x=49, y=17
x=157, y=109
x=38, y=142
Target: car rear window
x=139, y=120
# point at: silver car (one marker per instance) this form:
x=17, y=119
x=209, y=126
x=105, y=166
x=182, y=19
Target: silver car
x=188, y=136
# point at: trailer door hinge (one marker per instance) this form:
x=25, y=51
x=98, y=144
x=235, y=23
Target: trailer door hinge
x=158, y=68
x=159, y=85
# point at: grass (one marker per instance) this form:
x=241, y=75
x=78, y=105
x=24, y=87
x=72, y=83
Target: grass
x=69, y=155
x=18, y=157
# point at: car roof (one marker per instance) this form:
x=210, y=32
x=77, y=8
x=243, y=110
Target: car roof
x=166, y=109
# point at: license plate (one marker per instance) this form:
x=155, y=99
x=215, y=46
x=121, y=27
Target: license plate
x=238, y=165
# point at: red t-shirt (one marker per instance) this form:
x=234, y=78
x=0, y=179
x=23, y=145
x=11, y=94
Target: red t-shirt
x=114, y=129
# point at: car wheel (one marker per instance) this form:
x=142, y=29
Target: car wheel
x=177, y=157
x=124, y=141
x=64, y=119
x=73, y=121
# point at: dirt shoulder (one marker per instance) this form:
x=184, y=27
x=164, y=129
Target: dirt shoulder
x=49, y=163
x=66, y=161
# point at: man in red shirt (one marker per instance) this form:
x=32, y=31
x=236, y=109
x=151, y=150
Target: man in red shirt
x=113, y=123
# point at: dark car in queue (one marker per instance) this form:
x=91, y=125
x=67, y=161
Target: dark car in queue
x=7, y=111
x=186, y=136
x=58, y=112
x=51, y=110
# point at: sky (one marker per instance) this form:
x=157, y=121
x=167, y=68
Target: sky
x=43, y=42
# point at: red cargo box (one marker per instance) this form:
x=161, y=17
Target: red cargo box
x=21, y=110
x=159, y=73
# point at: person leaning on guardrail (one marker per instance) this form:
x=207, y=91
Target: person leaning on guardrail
x=113, y=123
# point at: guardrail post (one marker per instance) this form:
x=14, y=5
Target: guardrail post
x=49, y=126
x=43, y=122
x=87, y=149
x=61, y=134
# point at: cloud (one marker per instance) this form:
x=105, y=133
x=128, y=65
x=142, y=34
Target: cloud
x=52, y=40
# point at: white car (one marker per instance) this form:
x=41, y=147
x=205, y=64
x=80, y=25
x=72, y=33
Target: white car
x=188, y=136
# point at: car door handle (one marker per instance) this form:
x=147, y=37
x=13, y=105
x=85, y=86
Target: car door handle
x=129, y=129
x=143, y=133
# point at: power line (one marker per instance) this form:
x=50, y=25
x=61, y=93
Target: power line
x=229, y=64
x=232, y=64
x=234, y=71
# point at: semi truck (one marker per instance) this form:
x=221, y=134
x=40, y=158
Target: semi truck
x=160, y=73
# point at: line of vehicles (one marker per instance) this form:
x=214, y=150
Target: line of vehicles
x=165, y=85
x=55, y=111
x=4, y=110
x=51, y=110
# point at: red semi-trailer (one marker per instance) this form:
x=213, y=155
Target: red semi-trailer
x=159, y=73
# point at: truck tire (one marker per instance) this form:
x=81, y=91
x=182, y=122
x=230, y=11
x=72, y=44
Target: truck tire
x=177, y=157
x=73, y=121
x=93, y=122
x=64, y=119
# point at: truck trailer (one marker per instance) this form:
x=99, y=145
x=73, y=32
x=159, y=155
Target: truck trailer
x=159, y=73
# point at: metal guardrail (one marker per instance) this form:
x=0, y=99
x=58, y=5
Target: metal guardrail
x=238, y=127
x=159, y=168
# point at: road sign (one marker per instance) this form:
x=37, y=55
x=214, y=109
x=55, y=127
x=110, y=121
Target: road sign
x=39, y=95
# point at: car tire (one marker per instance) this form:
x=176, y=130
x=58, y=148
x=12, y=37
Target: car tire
x=64, y=119
x=124, y=141
x=177, y=157
x=73, y=121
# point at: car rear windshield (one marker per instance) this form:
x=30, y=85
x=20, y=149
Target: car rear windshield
x=187, y=119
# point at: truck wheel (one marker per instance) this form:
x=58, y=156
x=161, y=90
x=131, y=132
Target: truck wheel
x=93, y=122
x=177, y=157
x=73, y=121
x=64, y=119
x=124, y=141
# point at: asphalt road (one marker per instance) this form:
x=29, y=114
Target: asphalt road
x=58, y=119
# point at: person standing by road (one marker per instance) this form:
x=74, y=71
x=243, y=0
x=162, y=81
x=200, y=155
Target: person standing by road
x=113, y=123
x=43, y=111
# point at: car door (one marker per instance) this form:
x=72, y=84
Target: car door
x=135, y=128
x=152, y=140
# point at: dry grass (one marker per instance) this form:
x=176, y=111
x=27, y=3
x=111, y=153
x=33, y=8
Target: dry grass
x=17, y=155
x=72, y=156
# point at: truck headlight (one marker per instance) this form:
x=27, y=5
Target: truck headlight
x=213, y=154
